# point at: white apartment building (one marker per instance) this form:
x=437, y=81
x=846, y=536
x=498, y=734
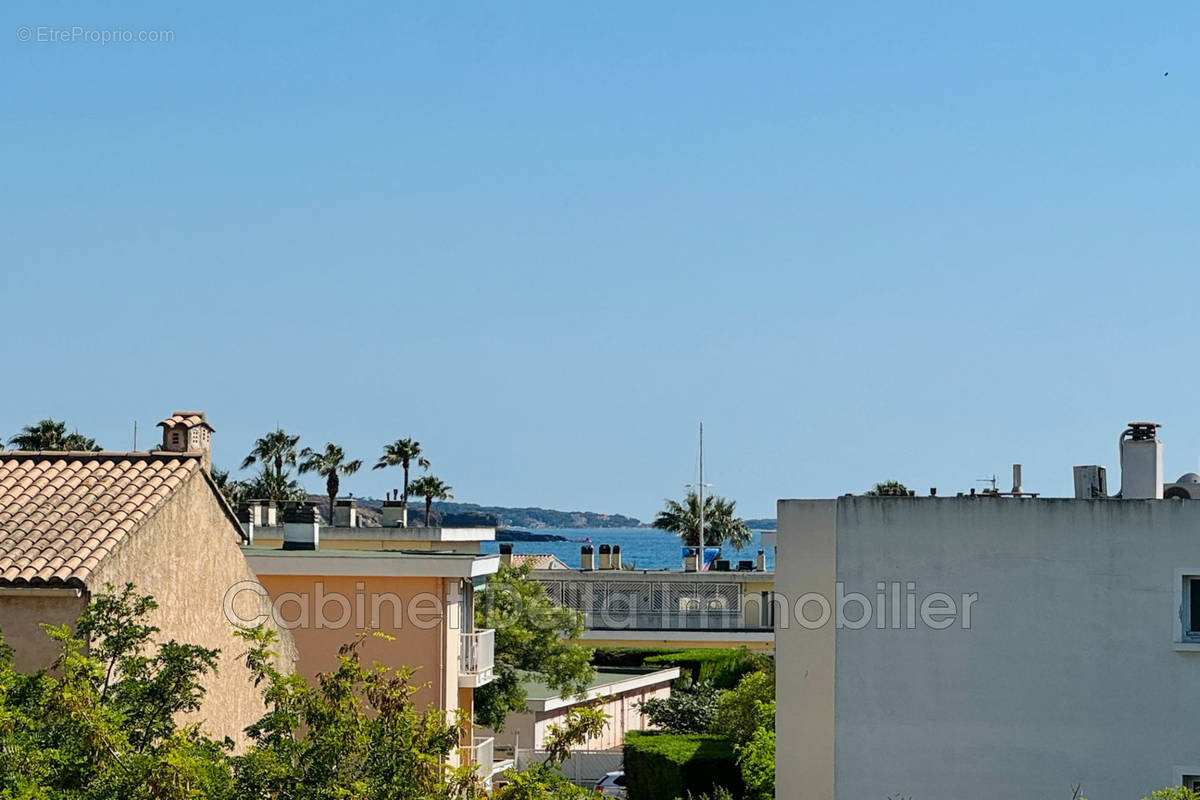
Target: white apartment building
x=993, y=646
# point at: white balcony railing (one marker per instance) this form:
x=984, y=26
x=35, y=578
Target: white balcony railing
x=476, y=658
x=480, y=753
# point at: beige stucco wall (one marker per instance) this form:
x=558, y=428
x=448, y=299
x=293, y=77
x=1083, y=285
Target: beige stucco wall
x=187, y=556
x=22, y=612
x=425, y=636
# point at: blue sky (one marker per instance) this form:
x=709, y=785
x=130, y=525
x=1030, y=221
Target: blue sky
x=858, y=240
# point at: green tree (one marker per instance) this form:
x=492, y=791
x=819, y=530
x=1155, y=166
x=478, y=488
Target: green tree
x=689, y=709
x=720, y=524
x=49, y=434
x=738, y=713
x=234, y=491
x=545, y=781
x=401, y=453
x=275, y=450
x=890, y=488
x=329, y=465
x=534, y=637
x=355, y=734
x=756, y=755
x=431, y=488
x=103, y=723
x=270, y=485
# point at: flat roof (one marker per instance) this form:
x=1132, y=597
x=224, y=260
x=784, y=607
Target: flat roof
x=394, y=563
x=388, y=533
x=607, y=681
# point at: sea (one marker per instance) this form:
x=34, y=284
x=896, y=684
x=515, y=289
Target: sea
x=641, y=548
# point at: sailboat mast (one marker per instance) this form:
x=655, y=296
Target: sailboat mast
x=700, y=488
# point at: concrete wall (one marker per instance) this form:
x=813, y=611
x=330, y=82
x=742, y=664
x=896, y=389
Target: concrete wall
x=1068, y=676
x=187, y=556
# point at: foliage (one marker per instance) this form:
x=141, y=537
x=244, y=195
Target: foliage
x=271, y=485
x=355, y=734
x=103, y=723
x=545, y=781
x=662, y=766
x=328, y=464
x=431, y=488
x=890, y=488
x=276, y=450
x=401, y=453
x=720, y=524
x=689, y=709
x=723, y=667
x=49, y=434
x=1174, y=793
x=533, y=636
x=539, y=782
x=756, y=755
x=718, y=793
x=234, y=491
x=739, y=711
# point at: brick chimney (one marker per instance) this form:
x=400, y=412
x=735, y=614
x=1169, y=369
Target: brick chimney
x=188, y=432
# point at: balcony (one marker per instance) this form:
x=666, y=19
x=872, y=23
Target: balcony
x=623, y=619
x=476, y=658
x=481, y=753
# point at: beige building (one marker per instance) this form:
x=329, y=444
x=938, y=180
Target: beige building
x=621, y=691
x=72, y=523
x=331, y=584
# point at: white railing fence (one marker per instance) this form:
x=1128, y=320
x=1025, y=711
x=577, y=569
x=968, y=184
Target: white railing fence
x=481, y=753
x=583, y=768
x=478, y=651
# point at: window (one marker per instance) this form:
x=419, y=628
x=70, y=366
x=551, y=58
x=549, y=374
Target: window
x=1187, y=610
x=1190, y=782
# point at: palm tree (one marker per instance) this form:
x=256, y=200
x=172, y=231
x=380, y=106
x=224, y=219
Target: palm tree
x=720, y=524
x=328, y=465
x=277, y=449
x=48, y=434
x=431, y=488
x=234, y=491
x=401, y=453
x=269, y=485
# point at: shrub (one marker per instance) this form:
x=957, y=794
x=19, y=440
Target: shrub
x=722, y=667
x=689, y=709
x=738, y=713
x=662, y=766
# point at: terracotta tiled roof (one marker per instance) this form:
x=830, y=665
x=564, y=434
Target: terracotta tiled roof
x=185, y=419
x=539, y=561
x=62, y=513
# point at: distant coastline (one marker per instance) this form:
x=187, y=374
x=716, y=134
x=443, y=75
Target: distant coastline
x=529, y=518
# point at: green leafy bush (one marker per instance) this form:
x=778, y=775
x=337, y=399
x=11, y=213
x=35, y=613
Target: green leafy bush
x=663, y=766
x=721, y=667
x=738, y=713
x=689, y=709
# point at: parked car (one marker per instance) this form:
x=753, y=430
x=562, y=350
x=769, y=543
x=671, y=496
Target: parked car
x=611, y=785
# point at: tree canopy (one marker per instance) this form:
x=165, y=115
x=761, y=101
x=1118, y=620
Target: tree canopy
x=721, y=526
x=49, y=434
x=533, y=639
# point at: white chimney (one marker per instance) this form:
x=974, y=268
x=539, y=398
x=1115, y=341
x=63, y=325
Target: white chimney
x=1016, y=479
x=605, y=557
x=587, y=560
x=301, y=528
x=345, y=514
x=1141, y=462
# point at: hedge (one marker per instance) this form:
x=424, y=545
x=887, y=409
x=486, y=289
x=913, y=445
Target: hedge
x=665, y=766
x=721, y=667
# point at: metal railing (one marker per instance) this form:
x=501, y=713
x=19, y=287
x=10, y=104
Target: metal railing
x=477, y=655
x=616, y=619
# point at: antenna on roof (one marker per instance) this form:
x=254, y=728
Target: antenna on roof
x=135, y=436
x=990, y=479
